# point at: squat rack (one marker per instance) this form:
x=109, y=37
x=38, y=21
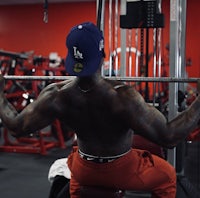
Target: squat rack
x=177, y=70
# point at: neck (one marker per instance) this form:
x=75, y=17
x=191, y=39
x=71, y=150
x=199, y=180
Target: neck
x=86, y=84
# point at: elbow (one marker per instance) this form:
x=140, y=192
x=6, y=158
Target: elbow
x=169, y=142
x=170, y=146
x=15, y=134
x=17, y=131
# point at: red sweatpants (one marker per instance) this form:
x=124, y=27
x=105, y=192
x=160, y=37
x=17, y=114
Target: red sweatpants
x=137, y=170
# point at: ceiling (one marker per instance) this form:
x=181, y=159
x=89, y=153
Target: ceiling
x=15, y=2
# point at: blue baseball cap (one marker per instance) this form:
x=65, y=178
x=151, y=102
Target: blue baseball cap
x=85, y=45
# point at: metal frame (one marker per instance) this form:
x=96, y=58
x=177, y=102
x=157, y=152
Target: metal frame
x=123, y=42
x=177, y=59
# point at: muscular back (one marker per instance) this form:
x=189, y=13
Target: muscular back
x=101, y=112
x=98, y=116
x=107, y=112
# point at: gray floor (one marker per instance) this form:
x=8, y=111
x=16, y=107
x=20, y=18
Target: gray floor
x=192, y=163
x=25, y=175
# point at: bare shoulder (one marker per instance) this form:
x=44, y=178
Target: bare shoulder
x=55, y=87
x=50, y=96
x=124, y=89
x=128, y=99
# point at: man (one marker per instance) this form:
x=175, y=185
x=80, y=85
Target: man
x=104, y=114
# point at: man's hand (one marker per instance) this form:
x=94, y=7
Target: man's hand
x=198, y=87
x=2, y=83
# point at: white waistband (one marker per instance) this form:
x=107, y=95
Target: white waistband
x=107, y=157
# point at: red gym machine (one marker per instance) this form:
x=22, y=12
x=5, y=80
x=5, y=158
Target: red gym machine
x=21, y=94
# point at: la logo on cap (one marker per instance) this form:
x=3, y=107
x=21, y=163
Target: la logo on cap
x=77, y=53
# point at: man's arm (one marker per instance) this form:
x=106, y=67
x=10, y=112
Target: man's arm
x=151, y=123
x=35, y=116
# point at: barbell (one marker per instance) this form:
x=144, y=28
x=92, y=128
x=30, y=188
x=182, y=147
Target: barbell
x=127, y=79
